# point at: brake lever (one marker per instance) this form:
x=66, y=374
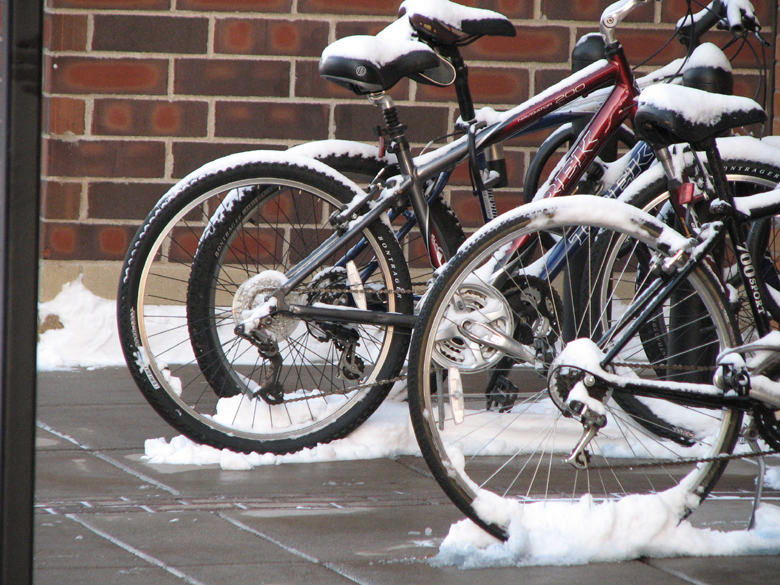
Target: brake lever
x=762, y=40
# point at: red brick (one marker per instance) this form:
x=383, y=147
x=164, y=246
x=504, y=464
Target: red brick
x=65, y=32
x=301, y=38
x=489, y=85
x=544, y=78
x=85, y=241
x=272, y=120
x=383, y=7
x=149, y=118
x=188, y=156
x=232, y=77
x=356, y=122
x=150, y=34
x=358, y=27
x=235, y=5
x=466, y=206
x=101, y=158
x=123, y=200
x=64, y=115
x=123, y=76
x=113, y=4
x=548, y=44
x=747, y=86
x=640, y=44
x=589, y=11
x=61, y=200
x=509, y=8
x=308, y=83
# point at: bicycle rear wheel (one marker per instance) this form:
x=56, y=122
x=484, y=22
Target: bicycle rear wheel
x=204, y=256
x=513, y=447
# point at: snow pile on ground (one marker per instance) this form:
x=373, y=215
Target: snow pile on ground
x=388, y=433
x=78, y=330
x=558, y=533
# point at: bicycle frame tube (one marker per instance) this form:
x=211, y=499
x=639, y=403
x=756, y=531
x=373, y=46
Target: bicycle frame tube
x=640, y=159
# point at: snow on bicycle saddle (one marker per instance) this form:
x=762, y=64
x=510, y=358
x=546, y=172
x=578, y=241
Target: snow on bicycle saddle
x=671, y=114
x=368, y=64
x=450, y=23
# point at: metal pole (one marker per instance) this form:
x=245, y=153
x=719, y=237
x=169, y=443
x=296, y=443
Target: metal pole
x=19, y=211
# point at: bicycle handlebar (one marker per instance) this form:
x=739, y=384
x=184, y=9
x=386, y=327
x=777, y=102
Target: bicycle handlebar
x=690, y=34
x=736, y=16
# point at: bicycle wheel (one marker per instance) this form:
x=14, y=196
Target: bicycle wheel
x=746, y=177
x=513, y=447
x=256, y=219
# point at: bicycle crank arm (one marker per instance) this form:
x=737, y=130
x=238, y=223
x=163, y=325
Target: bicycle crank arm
x=357, y=316
x=488, y=336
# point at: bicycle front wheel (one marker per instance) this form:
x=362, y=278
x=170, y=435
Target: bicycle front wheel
x=205, y=256
x=512, y=441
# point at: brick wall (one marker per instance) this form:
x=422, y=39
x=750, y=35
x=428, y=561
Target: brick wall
x=141, y=92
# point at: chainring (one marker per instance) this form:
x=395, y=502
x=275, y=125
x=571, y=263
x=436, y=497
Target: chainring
x=768, y=426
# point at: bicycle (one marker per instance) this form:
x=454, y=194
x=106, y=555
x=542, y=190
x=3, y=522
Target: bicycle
x=564, y=434
x=301, y=345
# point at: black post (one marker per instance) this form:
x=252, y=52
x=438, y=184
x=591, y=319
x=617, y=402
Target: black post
x=20, y=116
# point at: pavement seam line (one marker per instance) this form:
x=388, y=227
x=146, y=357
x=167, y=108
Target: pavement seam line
x=107, y=459
x=134, y=551
x=292, y=550
x=673, y=573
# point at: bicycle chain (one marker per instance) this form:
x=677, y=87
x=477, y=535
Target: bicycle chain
x=680, y=462
x=347, y=390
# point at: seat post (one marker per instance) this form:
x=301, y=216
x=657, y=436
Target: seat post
x=395, y=131
x=400, y=147
x=462, y=88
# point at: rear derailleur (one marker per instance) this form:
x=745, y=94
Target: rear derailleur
x=270, y=390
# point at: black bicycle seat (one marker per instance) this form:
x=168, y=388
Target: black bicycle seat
x=366, y=64
x=449, y=23
x=672, y=114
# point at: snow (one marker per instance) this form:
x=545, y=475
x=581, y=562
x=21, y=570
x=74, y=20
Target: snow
x=389, y=44
x=541, y=533
x=449, y=13
x=694, y=105
x=88, y=337
x=388, y=433
x=558, y=533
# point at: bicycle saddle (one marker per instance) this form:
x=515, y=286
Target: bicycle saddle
x=671, y=114
x=448, y=23
x=366, y=64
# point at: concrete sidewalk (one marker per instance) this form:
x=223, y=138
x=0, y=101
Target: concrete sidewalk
x=105, y=516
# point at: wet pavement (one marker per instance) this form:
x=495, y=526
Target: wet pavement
x=103, y=515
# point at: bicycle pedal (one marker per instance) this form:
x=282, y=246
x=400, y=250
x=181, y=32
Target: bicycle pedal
x=502, y=395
